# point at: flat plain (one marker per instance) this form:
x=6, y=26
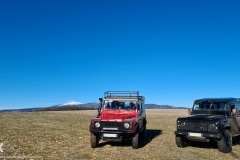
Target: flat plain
x=65, y=135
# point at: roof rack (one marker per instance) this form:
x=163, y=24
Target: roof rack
x=122, y=95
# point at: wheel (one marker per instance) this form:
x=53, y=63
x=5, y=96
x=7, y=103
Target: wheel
x=143, y=134
x=238, y=140
x=225, y=143
x=135, y=141
x=181, y=142
x=94, y=140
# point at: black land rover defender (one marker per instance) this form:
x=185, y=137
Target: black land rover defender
x=214, y=119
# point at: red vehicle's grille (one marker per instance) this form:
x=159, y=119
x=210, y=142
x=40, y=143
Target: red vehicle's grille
x=111, y=126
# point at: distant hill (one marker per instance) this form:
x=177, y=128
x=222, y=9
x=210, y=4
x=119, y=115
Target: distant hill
x=21, y=110
x=156, y=106
x=83, y=106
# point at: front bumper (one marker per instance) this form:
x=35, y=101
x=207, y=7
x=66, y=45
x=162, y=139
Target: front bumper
x=112, y=136
x=190, y=135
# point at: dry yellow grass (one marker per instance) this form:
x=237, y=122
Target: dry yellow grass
x=65, y=135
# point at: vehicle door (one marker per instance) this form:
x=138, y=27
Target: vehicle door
x=141, y=115
x=237, y=107
x=235, y=120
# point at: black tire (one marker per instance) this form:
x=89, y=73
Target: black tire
x=225, y=143
x=135, y=141
x=238, y=140
x=181, y=142
x=143, y=134
x=94, y=140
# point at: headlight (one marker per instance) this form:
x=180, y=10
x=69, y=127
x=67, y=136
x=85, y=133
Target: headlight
x=97, y=124
x=213, y=126
x=181, y=124
x=126, y=125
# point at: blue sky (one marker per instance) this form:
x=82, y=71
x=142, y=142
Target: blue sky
x=172, y=51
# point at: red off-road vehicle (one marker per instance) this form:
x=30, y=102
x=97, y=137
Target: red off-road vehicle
x=121, y=115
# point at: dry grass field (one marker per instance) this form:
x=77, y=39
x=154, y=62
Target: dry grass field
x=65, y=135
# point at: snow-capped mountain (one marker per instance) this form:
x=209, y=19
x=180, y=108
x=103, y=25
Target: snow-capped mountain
x=70, y=103
x=73, y=105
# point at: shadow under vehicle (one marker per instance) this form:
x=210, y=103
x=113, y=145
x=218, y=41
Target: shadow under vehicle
x=121, y=116
x=211, y=119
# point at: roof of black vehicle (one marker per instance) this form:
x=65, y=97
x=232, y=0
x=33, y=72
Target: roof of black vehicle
x=219, y=99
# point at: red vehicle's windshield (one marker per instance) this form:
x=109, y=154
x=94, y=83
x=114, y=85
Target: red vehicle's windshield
x=124, y=105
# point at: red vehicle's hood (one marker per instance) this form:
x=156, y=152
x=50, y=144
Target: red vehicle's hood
x=117, y=115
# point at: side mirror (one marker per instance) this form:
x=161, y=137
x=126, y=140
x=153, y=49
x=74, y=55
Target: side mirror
x=98, y=113
x=100, y=99
x=189, y=111
x=234, y=111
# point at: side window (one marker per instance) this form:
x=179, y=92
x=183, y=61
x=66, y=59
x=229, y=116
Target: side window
x=222, y=106
x=143, y=106
x=139, y=107
x=205, y=106
x=196, y=106
x=237, y=106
